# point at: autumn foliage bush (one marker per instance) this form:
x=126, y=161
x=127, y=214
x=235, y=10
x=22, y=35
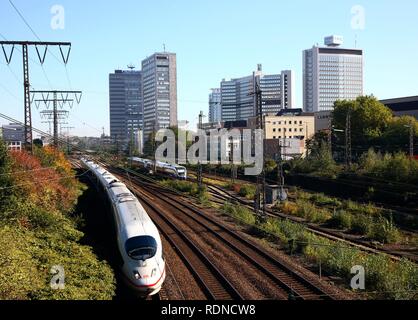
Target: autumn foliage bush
x=38, y=195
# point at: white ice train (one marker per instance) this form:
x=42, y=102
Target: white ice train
x=139, y=243
x=172, y=170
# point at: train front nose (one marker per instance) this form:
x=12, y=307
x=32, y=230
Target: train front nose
x=147, y=280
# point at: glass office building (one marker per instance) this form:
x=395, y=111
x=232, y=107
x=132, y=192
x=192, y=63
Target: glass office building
x=126, y=109
x=159, y=91
x=239, y=101
x=331, y=73
x=215, y=106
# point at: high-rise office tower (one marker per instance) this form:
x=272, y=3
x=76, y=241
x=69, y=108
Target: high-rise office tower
x=126, y=110
x=331, y=73
x=159, y=91
x=215, y=107
x=287, y=92
x=239, y=102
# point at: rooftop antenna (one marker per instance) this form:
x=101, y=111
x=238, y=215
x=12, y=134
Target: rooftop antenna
x=131, y=66
x=355, y=42
x=164, y=47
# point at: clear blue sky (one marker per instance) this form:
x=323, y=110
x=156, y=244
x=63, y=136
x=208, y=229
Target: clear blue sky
x=213, y=40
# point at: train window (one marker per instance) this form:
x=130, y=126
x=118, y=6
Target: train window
x=141, y=248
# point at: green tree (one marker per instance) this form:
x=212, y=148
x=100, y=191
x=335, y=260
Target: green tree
x=317, y=141
x=369, y=120
x=396, y=137
x=319, y=162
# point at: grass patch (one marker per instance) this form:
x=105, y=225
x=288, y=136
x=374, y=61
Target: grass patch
x=321, y=199
x=385, y=279
x=240, y=213
x=287, y=207
x=248, y=191
x=341, y=220
x=190, y=188
x=311, y=213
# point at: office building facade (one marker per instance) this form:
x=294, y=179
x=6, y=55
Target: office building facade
x=215, y=106
x=13, y=136
x=288, y=125
x=125, y=101
x=159, y=92
x=238, y=100
x=331, y=73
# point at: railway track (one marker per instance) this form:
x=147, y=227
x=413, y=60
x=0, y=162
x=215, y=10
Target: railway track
x=394, y=208
x=221, y=194
x=160, y=296
x=290, y=282
x=211, y=279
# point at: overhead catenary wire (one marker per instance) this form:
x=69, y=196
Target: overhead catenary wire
x=11, y=93
x=106, y=161
x=32, y=60
x=37, y=37
x=85, y=123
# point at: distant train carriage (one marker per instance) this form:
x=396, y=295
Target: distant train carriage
x=172, y=170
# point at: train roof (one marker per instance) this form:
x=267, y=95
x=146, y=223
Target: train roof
x=166, y=164
x=134, y=220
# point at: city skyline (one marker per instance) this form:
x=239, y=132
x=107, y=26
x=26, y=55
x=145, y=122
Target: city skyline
x=201, y=60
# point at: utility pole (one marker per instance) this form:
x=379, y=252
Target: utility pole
x=154, y=146
x=411, y=140
x=261, y=179
x=234, y=173
x=117, y=146
x=68, y=137
x=26, y=81
x=348, y=150
x=102, y=140
x=63, y=100
x=200, y=169
x=53, y=117
x=280, y=175
x=131, y=146
x=330, y=134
